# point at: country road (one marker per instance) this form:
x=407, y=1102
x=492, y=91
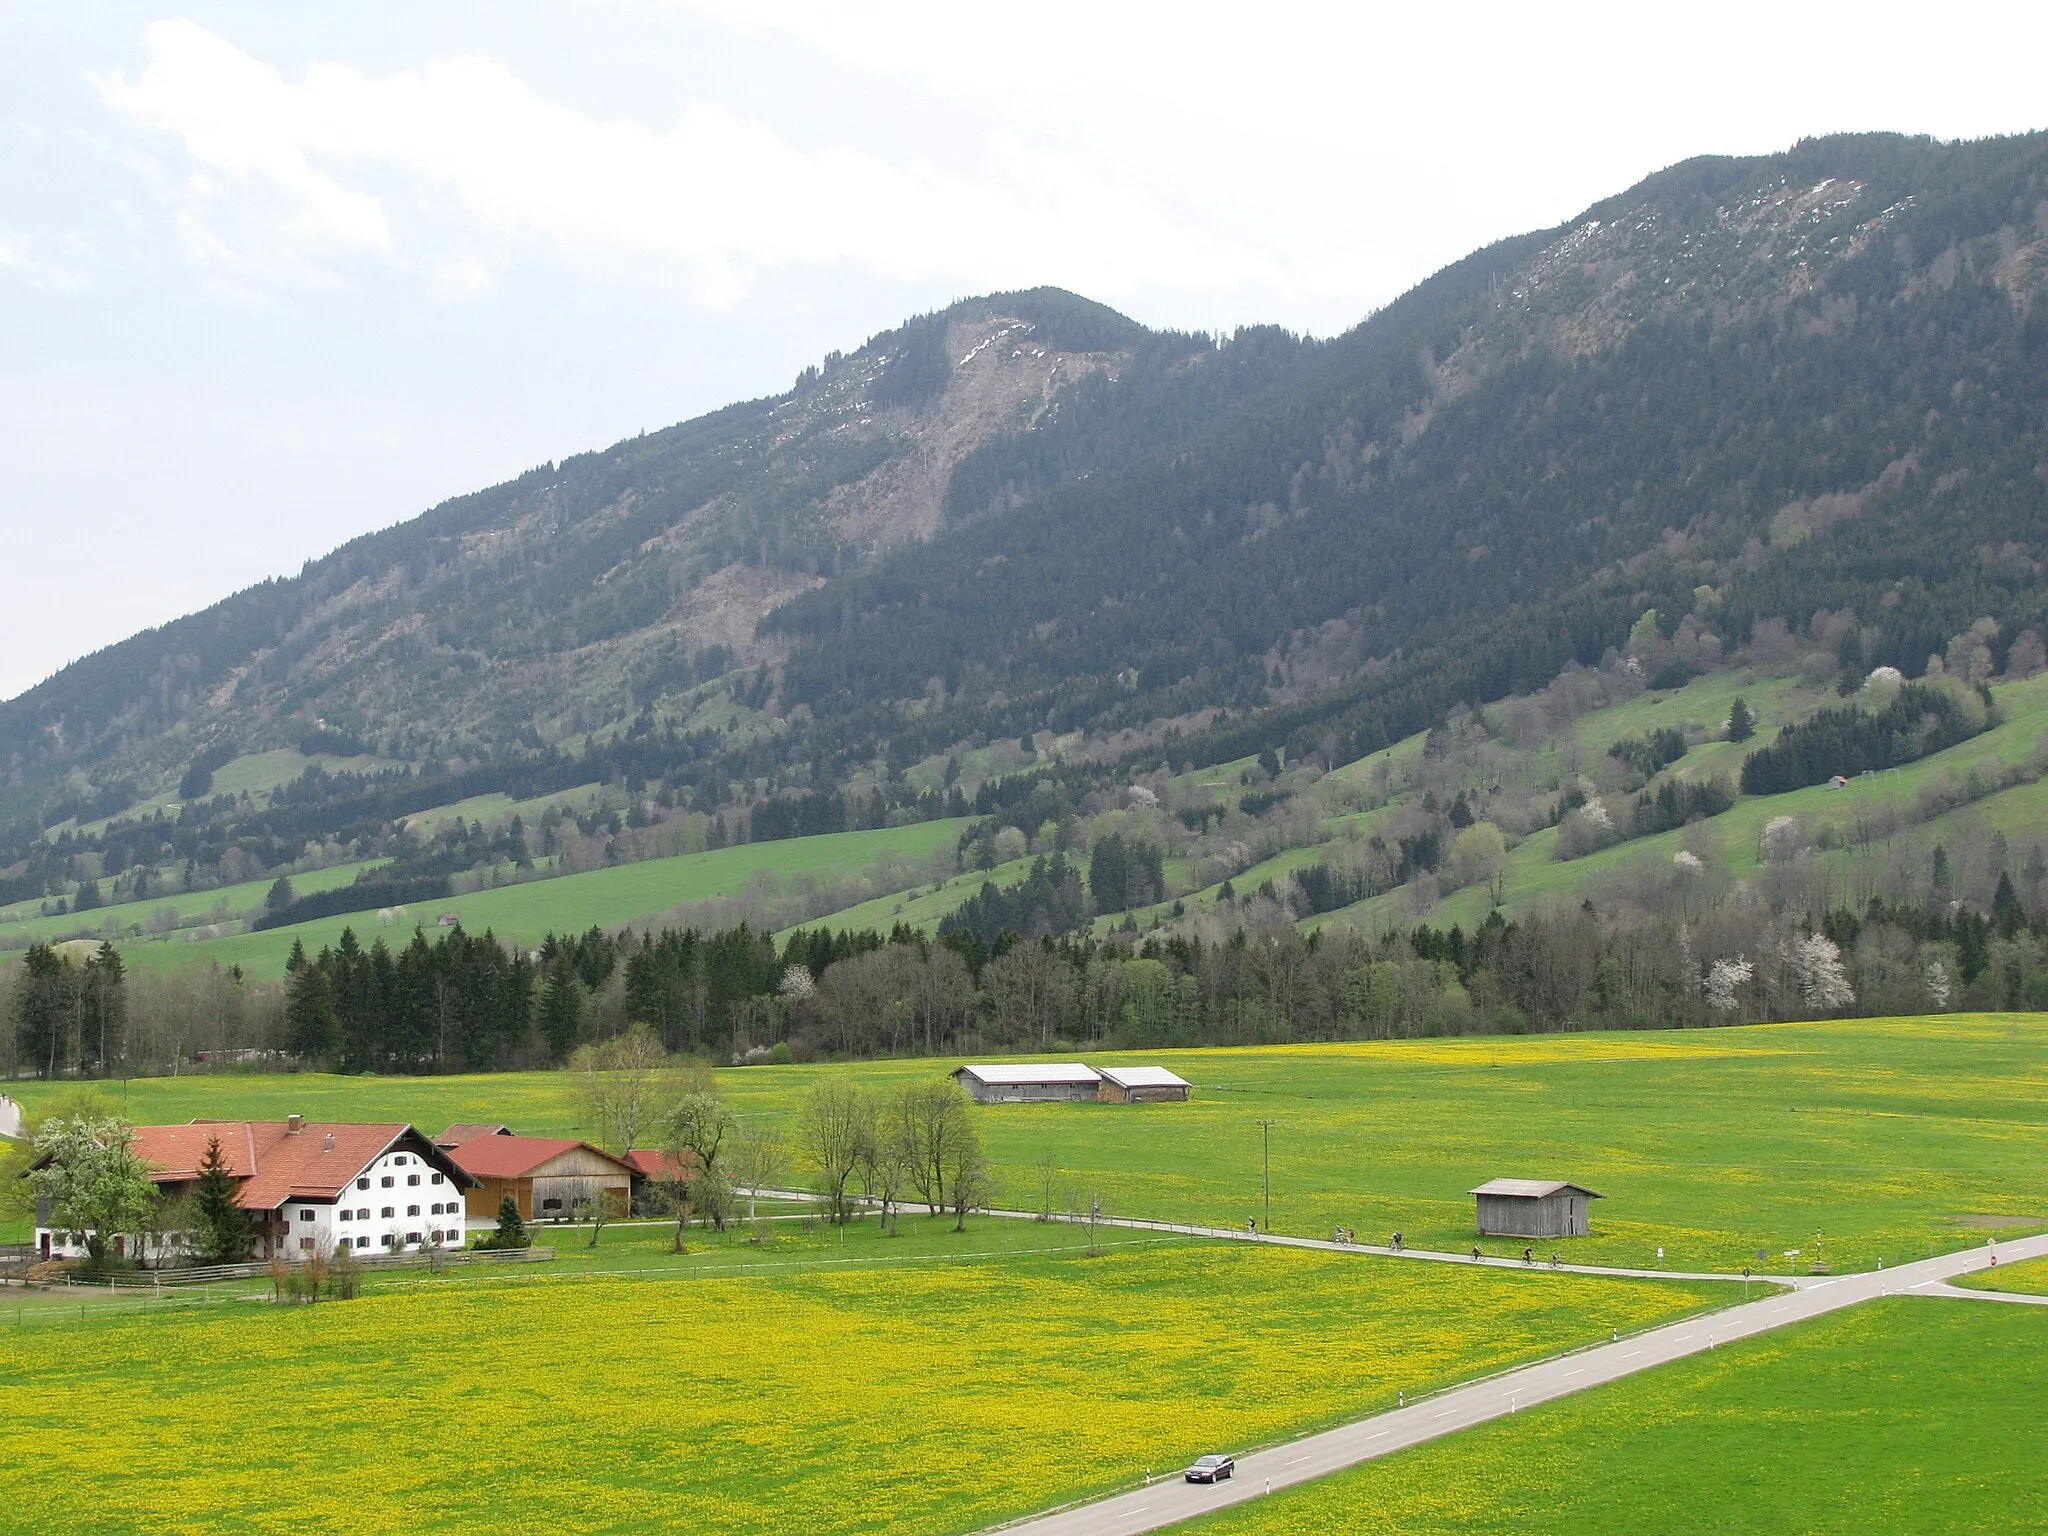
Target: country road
x=1170, y=1500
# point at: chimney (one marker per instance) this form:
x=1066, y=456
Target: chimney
x=293, y=1124
x=328, y=1145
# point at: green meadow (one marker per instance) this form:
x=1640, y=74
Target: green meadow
x=1848, y=1140
x=2029, y=1277
x=21, y=921
x=930, y=1393
x=1896, y=1418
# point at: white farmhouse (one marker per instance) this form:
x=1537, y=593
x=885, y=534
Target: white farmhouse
x=307, y=1187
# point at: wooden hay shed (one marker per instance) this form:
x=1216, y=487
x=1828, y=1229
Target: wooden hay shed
x=1141, y=1085
x=547, y=1177
x=1533, y=1208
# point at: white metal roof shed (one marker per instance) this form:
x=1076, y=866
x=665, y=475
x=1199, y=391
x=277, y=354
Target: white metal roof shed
x=1030, y=1072
x=1144, y=1077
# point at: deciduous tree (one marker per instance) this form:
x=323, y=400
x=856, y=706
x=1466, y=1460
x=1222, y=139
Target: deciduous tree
x=95, y=1184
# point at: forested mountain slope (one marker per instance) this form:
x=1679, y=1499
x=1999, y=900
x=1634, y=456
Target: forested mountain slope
x=1815, y=380
x=1809, y=388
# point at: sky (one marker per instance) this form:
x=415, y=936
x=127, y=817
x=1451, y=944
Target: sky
x=275, y=275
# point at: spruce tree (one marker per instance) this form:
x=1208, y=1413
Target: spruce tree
x=1741, y=723
x=224, y=1233
x=511, y=1231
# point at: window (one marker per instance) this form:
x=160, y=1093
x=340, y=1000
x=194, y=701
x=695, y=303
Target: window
x=399, y=1161
x=390, y=1239
x=305, y=1215
x=412, y=1239
x=454, y=1234
x=387, y=1181
x=363, y=1241
x=346, y=1215
x=306, y=1243
x=362, y=1183
x=434, y=1178
x=362, y=1213
x=389, y=1213
x=412, y=1210
x=551, y=1205
x=435, y=1210
x=412, y=1178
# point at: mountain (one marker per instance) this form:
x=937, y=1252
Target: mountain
x=1808, y=388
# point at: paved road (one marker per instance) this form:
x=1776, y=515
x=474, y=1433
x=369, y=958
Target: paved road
x=1170, y=1501
x=1421, y=1255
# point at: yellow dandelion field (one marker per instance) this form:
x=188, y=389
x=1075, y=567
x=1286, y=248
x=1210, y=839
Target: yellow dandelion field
x=910, y=1399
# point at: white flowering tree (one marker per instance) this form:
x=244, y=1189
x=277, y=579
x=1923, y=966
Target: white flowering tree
x=1783, y=837
x=93, y=1182
x=1938, y=992
x=1817, y=968
x=1725, y=981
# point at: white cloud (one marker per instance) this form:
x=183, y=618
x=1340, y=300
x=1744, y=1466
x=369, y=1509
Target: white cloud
x=459, y=165
x=21, y=256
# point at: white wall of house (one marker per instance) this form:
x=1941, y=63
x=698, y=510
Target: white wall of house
x=399, y=1204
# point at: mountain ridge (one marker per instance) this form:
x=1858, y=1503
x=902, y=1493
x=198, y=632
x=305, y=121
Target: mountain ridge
x=1791, y=383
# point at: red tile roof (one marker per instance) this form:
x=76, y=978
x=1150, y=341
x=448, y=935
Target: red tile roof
x=514, y=1157
x=460, y=1132
x=277, y=1164
x=658, y=1165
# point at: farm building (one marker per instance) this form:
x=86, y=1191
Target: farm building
x=546, y=1176
x=1029, y=1082
x=1533, y=1208
x=457, y=1134
x=653, y=1172
x=306, y=1186
x=1141, y=1085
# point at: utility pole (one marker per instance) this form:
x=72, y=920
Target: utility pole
x=1266, y=1132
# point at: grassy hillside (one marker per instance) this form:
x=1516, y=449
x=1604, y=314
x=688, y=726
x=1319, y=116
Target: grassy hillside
x=524, y=914
x=190, y=908
x=1712, y=1144
x=1896, y=1418
x=1535, y=875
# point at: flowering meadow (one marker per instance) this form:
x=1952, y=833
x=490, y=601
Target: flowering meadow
x=1896, y=1418
x=908, y=1398
x=1857, y=1139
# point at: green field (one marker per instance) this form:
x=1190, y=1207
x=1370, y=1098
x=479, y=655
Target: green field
x=194, y=908
x=920, y=1395
x=2029, y=1277
x=625, y=893
x=1904, y=1416
x=924, y=907
x=1851, y=1140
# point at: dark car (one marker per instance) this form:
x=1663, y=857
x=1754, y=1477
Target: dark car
x=1211, y=1469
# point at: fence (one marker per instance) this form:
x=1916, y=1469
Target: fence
x=207, y=1274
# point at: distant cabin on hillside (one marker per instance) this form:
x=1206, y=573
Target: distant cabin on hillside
x=1533, y=1208
x=1029, y=1083
x=1141, y=1085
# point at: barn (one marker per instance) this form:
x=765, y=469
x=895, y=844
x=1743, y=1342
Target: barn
x=547, y=1177
x=1141, y=1085
x=1029, y=1083
x=1533, y=1208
